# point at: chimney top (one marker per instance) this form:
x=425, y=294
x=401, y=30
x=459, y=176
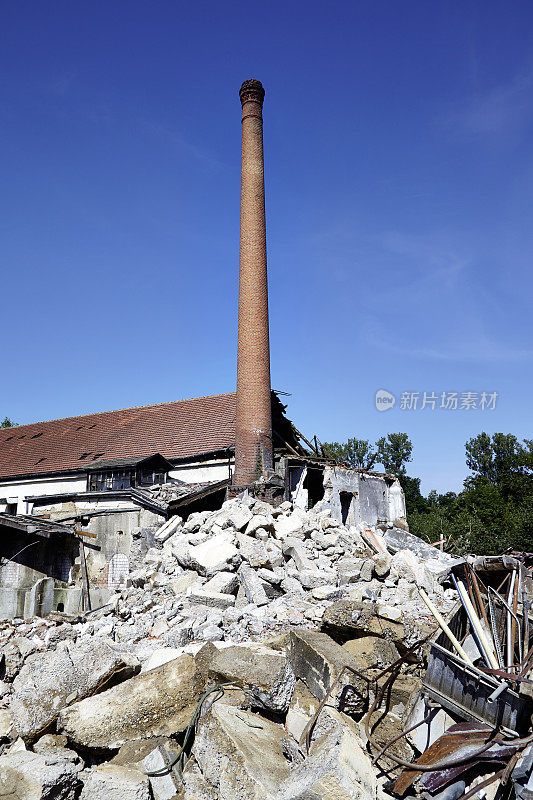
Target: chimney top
x=252, y=89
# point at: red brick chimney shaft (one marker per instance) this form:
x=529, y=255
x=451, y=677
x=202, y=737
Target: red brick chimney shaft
x=253, y=446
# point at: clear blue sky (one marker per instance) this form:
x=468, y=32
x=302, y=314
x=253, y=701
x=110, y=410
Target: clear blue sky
x=399, y=160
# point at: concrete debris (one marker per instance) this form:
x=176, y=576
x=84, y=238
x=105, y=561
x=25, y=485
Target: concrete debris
x=272, y=604
x=155, y=703
x=35, y=776
x=241, y=754
x=337, y=765
x=317, y=660
x=265, y=674
x=111, y=781
x=48, y=682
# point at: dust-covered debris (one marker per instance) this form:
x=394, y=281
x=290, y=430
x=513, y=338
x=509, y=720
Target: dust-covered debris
x=277, y=652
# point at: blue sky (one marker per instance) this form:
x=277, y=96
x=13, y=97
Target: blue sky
x=399, y=161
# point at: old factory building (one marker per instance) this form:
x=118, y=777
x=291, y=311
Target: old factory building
x=81, y=498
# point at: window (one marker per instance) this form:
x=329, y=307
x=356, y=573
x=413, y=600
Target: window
x=111, y=480
x=149, y=476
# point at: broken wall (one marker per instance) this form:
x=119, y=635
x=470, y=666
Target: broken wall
x=354, y=497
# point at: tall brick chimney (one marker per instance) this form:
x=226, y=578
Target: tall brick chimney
x=253, y=445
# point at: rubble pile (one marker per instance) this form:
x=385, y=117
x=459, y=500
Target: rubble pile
x=257, y=652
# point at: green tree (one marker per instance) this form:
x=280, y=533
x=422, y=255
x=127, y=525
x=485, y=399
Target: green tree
x=414, y=500
x=7, y=423
x=394, y=451
x=355, y=453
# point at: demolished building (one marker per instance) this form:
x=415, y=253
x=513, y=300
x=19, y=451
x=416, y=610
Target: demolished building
x=118, y=475
x=114, y=476
x=171, y=643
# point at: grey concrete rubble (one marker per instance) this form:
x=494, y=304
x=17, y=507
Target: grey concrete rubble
x=35, y=776
x=272, y=603
x=158, y=702
x=50, y=681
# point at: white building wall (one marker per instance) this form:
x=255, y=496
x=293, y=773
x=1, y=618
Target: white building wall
x=16, y=491
x=201, y=472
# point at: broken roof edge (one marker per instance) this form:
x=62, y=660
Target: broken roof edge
x=135, y=495
x=35, y=525
x=323, y=461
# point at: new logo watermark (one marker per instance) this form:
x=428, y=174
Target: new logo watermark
x=384, y=400
x=446, y=401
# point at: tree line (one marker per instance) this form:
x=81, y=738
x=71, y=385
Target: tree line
x=494, y=510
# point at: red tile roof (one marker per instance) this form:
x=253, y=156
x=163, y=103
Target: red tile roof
x=177, y=430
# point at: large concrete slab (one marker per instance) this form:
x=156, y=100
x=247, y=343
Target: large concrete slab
x=157, y=703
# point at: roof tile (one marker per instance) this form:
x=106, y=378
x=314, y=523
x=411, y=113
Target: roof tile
x=181, y=429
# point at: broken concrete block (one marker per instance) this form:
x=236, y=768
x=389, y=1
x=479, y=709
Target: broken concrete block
x=327, y=592
x=241, y=754
x=382, y=564
x=265, y=675
x=317, y=660
x=397, y=539
x=213, y=555
x=252, y=586
x=225, y=582
x=337, y=766
x=159, y=628
x=168, y=529
x=35, y=776
x=252, y=550
x=48, y=742
x=183, y=582
x=235, y=516
x=288, y=526
x=349, y=619
x=270, y=576
x=209, y=598
x=302, y=709
x=166, y=782
x=291, y=586
x=6, y=723
x=367, y=569
x=313, y=578
x=404, y=564
x=266, y=522
x=111, y=781
x=157, y=703
x=371, y=651
x=294, y=549
x=424, y=735
x=50, y=681
x=161, y=656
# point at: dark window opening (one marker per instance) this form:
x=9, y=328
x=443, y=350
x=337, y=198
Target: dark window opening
x=9, y=438
x=314, y=484
x=23, y=436
x=84, y=455
x=97, y=455
x=91, y=426
x=60, y=606
x=79, y=428
x=36, y=435
x=149, y=477
x=113, y=479
x=41, y=460
x=346, y=499
x=11, y=508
